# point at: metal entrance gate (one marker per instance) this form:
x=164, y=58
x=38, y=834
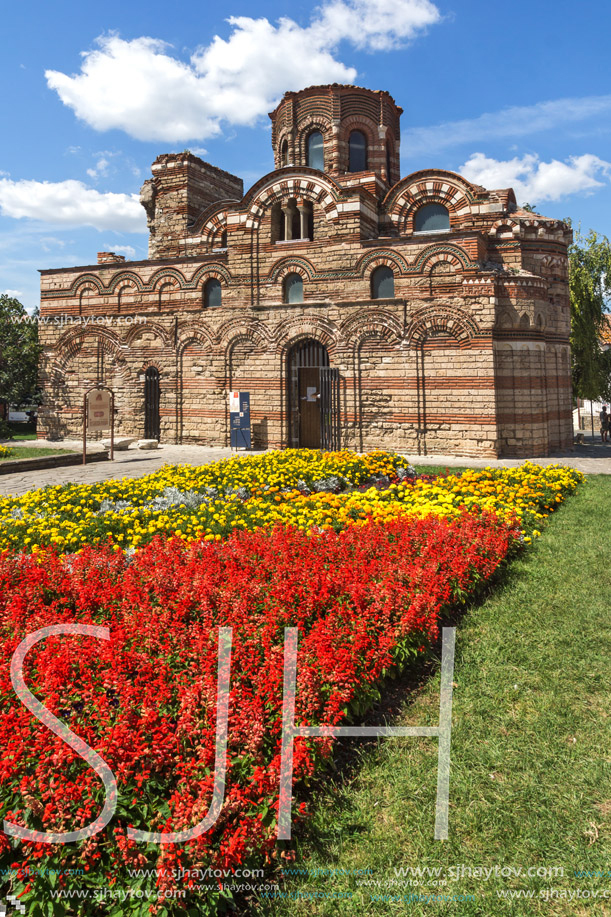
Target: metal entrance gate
x=313, y=398
x=329, y=408
x=152, y=426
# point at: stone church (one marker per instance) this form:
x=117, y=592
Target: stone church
x=359, y=309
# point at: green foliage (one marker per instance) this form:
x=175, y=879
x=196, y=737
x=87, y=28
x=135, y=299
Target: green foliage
x=6, y=431
x=19, y=353
x=590, y=290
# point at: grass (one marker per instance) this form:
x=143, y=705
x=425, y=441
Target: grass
x=530, y=755
x=26, y=452
x=440, y=469
x=23, y=431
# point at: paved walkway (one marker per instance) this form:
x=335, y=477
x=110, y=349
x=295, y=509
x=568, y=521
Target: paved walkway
x=592, y=458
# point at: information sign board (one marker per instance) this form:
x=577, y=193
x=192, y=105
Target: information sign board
x=239, y=420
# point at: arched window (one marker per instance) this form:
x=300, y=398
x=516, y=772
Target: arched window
x=358, y=152
x=382, y=283
x=316, y=156
x=212, y=294
x=293, y=288
x=284, y=153
x=432, y=218
x=388, y=163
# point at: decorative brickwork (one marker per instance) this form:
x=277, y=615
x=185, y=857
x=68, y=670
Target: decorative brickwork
x=468, y=354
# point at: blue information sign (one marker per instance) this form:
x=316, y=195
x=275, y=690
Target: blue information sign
x=239, y=420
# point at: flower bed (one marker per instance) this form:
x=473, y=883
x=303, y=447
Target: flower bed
x=363, y=600
x=358, y=552
x=309, y=489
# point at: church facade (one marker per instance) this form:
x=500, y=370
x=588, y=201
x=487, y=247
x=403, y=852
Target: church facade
x=359, y=309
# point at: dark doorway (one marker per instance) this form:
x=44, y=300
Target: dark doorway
x=152, y=425
x=313, y=397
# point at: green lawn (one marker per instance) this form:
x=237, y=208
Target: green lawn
x=23, y=431
x=530, y=778
x=25, y=452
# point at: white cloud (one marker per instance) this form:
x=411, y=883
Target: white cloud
x=71, y=203
x=537, y=181
x=517, y=121
x=127, y=250
x=48, y=243
x=100, y=169
x=373, y=25
x=139, y=87
x=16, y=294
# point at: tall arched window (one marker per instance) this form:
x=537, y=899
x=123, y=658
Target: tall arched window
x=293, y=288
x=316, y=155
x=284, y=153
x=213, y=294
x=388, y=163
x=382, y=283
x=432, y=218
x=357, y=160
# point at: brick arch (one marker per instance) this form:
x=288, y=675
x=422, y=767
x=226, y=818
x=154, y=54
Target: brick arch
x=291, y=331
x=68, y=348
x=245, y=336
x=165, y=283
x=87, y=280
x=193, y=338
x=152, y=364
x=166, y=288
x=379, y=322
x=236, y=328
x=314, y=122
x=308, y=184
x=433, y=254
x=83, y=293
x=72, y=335
x=292, y=265
x=194, y=332
x=214, y=269
x=435, y=320
x=286, y=134
x=374, y=259
x=123, y=278
x=124, y=291
x=165, y=275
x=429, y=187
x=515, y=227
x=213, y=225
x=158, y=330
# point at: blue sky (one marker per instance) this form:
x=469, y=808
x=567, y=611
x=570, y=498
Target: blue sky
x=507, y=94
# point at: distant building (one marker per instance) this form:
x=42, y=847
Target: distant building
x=359, y=309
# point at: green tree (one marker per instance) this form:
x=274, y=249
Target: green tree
x=590, y=290
x=19, y=353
